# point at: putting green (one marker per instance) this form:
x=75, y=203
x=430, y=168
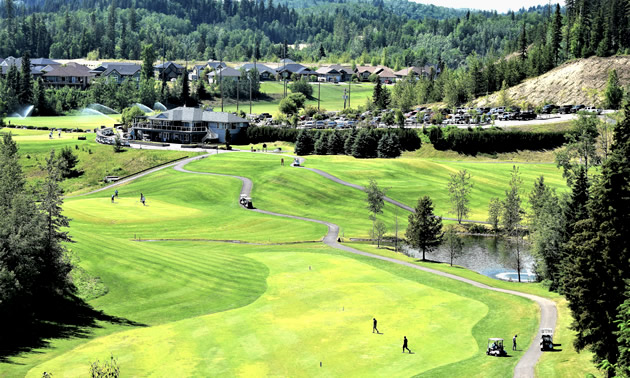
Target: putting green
x=304, y=317
x=70, y=122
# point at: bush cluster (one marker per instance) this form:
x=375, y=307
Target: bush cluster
x=476, y=141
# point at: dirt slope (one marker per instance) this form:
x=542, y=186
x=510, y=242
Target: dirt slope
x=580, y=81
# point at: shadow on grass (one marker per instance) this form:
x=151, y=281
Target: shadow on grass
x=66, y=318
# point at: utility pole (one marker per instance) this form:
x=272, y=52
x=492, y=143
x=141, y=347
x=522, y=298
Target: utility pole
x=250, y=93
x=238, y=91
x=349, y=91
x=221, y=80
x=319, y=92
x=345, y=97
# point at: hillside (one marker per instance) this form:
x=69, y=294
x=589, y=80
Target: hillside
x=573, y=82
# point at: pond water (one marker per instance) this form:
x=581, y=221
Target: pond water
x=491, y=256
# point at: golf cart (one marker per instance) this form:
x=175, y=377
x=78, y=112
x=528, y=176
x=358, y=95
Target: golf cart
x=246, y=202
x=546, y=339
x=296, y=162
x=495, y=347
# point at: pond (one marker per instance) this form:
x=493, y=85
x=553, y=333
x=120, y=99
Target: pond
x=491, y=256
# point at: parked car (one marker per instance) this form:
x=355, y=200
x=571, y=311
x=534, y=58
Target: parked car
x=592, y=110
x=565, y=109
x=309, y=124
x=548, y=109
x=525, y=116
x=331, y=124
x=320, y=124
x=577, y=108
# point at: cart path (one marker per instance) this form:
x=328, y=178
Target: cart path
x=548, y=310
x=361, y=188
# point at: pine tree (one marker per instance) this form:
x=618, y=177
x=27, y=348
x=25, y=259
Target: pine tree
x=39, y=96
x=349, y=142
x=321, y=146
x=424, y=230
x=26, y=83
x=365, y=144
x=185, y=95
x=304, y=143
x=335, y=143
x=556, y=35
x=599, y=251
x=523, y=43
x=512, y=212
x=614, y=92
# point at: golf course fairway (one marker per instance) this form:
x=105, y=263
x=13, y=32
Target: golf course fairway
x=192, y=305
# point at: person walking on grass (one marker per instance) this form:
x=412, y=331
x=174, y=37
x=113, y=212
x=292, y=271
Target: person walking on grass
x=374, y=326
x=282, y=162
x=142, y=199
x=514, y=342
x=116, y=193
x=405, y=345
x=112, y=198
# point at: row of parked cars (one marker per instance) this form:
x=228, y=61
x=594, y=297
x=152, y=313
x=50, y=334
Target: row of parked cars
x=570, y=109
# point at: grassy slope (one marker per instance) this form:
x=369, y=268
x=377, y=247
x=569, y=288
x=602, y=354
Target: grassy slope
x=408, y=179
x=71, y=122
x=95, y=160
x=161, y=283
x=331, y=97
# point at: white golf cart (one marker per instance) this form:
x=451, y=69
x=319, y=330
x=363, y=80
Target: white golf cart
x=495, y=347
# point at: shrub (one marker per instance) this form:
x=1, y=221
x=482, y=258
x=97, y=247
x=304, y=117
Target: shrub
x=301, y=86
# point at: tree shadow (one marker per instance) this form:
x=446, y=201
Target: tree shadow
x=65, y=318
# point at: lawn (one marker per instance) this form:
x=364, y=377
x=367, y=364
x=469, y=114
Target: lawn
x=237, y=309
x=83, y=122
x=407, y=179
x=331, y=97
x=95, y=160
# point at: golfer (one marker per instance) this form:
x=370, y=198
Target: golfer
x=374, y=326
x=116, y=193
x=112, y=198
x=142, y=199
x=405, y=345
x=282, y=162
x=514, y=342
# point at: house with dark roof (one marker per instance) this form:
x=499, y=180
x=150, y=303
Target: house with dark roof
x=215, y=64
x=168, y=70
x=37, y=65
x=334, y=73
x=385, y=74
x=264, y=72
x=118, y=72
x=223, y=74
x=286, y=70
x=425, y=71
x=71, y=74
x=188, y=125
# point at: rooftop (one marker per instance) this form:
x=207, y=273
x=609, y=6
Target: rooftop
x=185, y=114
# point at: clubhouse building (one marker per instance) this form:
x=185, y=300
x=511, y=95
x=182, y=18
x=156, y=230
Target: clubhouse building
x=187, y=125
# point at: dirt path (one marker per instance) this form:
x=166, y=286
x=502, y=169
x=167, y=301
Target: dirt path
x=548, y=310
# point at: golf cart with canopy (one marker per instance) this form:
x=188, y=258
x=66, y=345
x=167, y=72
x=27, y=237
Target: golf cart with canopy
x=546, y=339
x=495, y=347
x=246, y=202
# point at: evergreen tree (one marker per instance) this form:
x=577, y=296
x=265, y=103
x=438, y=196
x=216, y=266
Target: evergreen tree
x=26, y=84
x=389, y=146
x=614, y=92
x=39, y=96
x=321, y=146
x=556, y=35
x=512, y=212
x=110, y=43
x=185, y=95
x=494, y=213
x=228, y=138
x=599, y=251
x=623, y=336
x=349, y=141
x=523, y=43
x=304, y=143
x=148, y=57
x=335, y=143
x=365, y=144
x=424, y=231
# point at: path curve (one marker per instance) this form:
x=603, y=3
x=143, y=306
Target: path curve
x=548, y=311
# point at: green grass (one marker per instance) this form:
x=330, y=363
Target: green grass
x=95, y=160
x=70, y=122
x=297, y=191
x=331, y=97
x=409, y=178
x=217, y=308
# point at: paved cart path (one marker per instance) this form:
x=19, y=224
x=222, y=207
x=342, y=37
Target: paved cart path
x=548, y=310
